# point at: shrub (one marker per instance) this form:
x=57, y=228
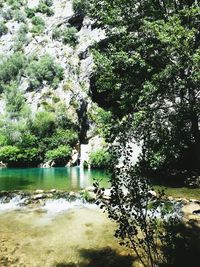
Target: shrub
x=69, y=36
x=16, y=4
x=8, y=14
x=56, y=33
x=37, y=21
x=79, y=6
x=19, y=16
x=30, y=12
x=43, y=124
x=9, y=154
x=63, y=137
x=21, y=38
x=3, y=28
x=59, y=155
x=100, y=158
x=11, y=67
x=44, y=8
x=44, y=69
x=15, y=100
x=48, y=2
x=38, y=25
x=16, y=156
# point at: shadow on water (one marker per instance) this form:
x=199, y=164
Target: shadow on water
x=183, y=250
x=105, y=257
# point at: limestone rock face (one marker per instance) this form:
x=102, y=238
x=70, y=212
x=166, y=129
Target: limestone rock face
x=76, y=61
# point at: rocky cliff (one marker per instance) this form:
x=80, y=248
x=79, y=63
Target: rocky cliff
x=51, y=33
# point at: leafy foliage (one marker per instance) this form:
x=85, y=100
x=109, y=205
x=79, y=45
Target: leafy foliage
x=38, y=25
x=13, y=155
x=59, y=155
x=11, y=68
x=44, y=123
x=3, y=28
x=100, y=159
x=80, y=6
x=15, y=100
x=142, y=218
x=147, y=70
x=44, y=70
x=69, y=36
x=44, y=7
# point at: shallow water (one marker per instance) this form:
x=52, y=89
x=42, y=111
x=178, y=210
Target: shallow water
x=74, y=178
x=76, y=237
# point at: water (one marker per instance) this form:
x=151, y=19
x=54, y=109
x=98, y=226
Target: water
x=80, y=237
x=70, y=179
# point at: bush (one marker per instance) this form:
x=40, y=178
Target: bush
x=44, y=8
x=9, y=154
x=56, y=33
x=43, y=124
x=15, y=100
x=79, y=6
x=100, y=159
x=15, y=156
x=44, y=69
x=38, y=25
x=19, y=16
x=63, y=137
x=8, y=14
x=30, y=12
x=11, y=67
x=21, y=38
x=59, y=155
x=69, y=36
x=16, y=4
x=3, y=28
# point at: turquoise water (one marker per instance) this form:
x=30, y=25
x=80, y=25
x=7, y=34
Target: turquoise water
x=73, y=178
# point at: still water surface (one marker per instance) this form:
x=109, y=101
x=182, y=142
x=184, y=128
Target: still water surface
x=74, y=178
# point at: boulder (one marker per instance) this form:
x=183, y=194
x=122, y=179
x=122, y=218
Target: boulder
x=39, y=191
x=53, y=191
x=195, y=201
x=191, y=211
x=38, y=196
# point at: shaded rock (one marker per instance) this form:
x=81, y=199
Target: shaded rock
x=152, y=193
x=53, y=191
x=195, y=201
x=38, y=196
x=49, y=195
x=196, y=212
x=76, y=21
x=190, y=211
x=39, y=191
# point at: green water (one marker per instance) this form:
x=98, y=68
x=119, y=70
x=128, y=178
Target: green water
x=68, y=179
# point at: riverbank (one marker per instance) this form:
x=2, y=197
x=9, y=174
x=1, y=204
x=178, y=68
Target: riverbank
x=58, y=201
x=68, y=228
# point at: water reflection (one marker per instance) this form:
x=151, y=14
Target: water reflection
x=74, y=178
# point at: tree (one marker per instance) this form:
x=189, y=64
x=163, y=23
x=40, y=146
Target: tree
x=100, y=159
x=147, y=70
x=59, y=155
x=147, y=76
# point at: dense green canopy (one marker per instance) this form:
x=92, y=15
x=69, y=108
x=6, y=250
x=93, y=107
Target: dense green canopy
x=148, y=67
